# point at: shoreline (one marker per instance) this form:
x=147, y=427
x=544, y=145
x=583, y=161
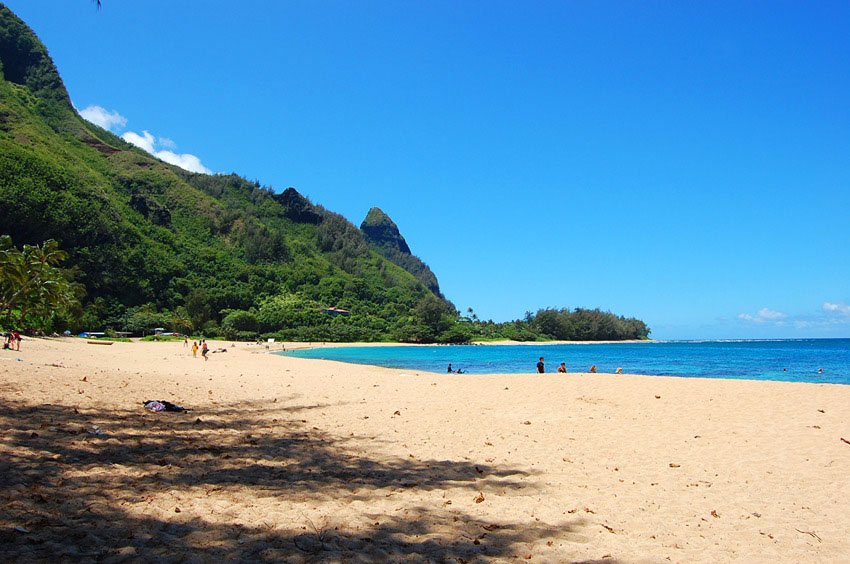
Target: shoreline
x=302, y=460
x=765, y=377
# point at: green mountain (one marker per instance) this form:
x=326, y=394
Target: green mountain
x=383, y=235
x=153, y=243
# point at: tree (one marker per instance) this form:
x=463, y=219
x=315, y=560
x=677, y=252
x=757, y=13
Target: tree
x=240, y=325
x=32, y=288
x=145, y=318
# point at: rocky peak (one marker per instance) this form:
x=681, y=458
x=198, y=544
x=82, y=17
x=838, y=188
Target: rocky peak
x=298, y=208
x=380, y=230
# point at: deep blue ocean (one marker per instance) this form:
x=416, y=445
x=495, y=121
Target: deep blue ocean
x=795, y=360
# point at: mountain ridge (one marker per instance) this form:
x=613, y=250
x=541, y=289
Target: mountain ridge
x=143, y=235
x=154, y=245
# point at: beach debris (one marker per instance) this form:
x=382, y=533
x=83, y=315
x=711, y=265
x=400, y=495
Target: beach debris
x=674, y=465
x=480, y=497
x=95, y=430
x=526, y=422
x=810, y=533
x=162, y=405
x=714, y=514
x=21, y=530
x=657, y=397
x=845, y=440
x=607, y=528
x=821, y=411
x=396, y=412
x=84, y=379
x=479, y=470
x=177, y=510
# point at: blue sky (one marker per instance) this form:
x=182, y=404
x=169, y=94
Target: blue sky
x=687, y=163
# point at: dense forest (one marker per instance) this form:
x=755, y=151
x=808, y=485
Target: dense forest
x=146, y=244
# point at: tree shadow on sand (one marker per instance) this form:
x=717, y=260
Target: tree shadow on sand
x=88, y=485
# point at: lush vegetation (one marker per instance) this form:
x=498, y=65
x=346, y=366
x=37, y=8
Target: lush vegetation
x=155, y=246
x=559, y=324
x=34, y=292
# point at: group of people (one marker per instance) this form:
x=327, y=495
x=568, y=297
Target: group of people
x=562, y=369
x=203, y=348
x=13, y=341
x=541, y=368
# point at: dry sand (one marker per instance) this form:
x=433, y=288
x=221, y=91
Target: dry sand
x=286, y=459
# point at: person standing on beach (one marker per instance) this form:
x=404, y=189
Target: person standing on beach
x=17, y=338
x=540, y=368
x=204, y=349
x=195, y=349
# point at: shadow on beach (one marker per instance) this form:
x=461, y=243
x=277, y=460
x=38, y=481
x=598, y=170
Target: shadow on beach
x=85, y=484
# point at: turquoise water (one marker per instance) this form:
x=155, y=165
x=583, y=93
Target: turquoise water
x=788, y=360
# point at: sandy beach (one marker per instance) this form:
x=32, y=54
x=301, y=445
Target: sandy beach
x=293, y=460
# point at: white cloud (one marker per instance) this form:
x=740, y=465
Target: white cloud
x=144, y=141
x=184, y=161
x=162, y=148
x=764, y=315
x=103, y=117
x=840, y=309
x=149, y=143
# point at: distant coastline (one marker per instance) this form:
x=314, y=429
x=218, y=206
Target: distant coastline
x=293, y=345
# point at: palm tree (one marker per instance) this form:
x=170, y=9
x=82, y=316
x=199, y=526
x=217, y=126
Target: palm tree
x=30, y=282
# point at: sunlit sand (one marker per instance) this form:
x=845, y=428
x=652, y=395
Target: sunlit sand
x=298, y=460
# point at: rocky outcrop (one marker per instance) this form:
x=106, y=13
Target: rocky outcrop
x=382, y=231
x=298, y=208
x=383, y=235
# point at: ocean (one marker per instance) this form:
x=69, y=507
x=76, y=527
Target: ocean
x=793, y=360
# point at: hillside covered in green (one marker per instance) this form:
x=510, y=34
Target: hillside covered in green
x=152, y=245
